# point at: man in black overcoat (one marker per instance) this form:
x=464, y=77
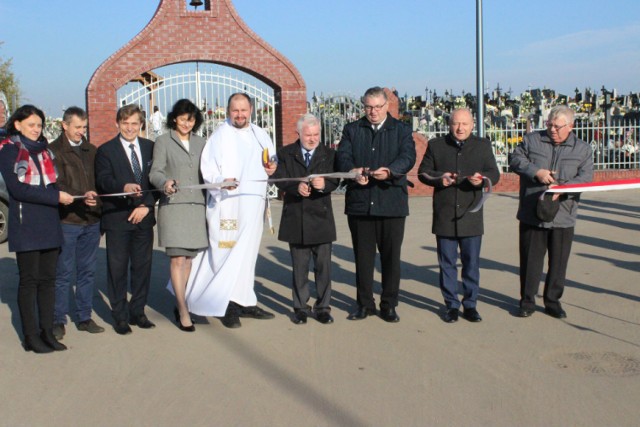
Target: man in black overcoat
x=380, y=149
x=307, y=221
x=455, y=166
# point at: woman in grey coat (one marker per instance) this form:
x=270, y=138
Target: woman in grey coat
x=181, y=216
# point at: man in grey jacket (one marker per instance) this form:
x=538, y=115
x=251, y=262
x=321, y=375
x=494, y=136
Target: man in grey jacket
x=543, y=159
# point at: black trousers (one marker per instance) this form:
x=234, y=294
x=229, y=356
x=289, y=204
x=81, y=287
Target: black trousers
x=36, y=289
x=128, y=250
x=534, y=244
x=300, y=257
x=385, y=234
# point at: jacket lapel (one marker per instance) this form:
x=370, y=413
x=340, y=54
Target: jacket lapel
x=297, y=156
x=315, y=159
x=126, y=163
x=176, y=140
x=146, y=148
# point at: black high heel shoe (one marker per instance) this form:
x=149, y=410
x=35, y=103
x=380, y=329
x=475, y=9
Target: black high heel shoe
x=183, y=328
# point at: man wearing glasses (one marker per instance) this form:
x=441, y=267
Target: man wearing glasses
x=544, y=159
x=380, y=149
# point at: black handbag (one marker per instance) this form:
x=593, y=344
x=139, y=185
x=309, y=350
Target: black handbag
x=547, y=208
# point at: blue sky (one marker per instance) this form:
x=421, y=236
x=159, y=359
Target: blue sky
x=346, y=46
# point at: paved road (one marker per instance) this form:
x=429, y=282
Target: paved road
x=503, y=371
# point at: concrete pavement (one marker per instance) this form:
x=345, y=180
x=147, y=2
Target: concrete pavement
x=504, y=371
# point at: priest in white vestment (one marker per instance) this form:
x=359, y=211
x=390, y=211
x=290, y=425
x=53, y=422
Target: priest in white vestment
x=222, y=277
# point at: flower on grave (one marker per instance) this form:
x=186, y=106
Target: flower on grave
x=526, y=100
x=460, y=102
x=52, y=128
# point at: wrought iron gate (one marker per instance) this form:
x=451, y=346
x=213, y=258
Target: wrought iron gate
x=208, y=86
x=334, y=112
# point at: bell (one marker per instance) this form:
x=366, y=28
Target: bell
x=196, y=3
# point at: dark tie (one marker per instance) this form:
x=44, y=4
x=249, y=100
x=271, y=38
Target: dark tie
x=135, y=164
x=375, y=128
x=307, y=159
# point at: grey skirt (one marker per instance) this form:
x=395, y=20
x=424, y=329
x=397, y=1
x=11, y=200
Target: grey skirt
x=190, y=253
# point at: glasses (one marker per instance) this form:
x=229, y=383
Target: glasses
x=555, y=127
x=374, y=107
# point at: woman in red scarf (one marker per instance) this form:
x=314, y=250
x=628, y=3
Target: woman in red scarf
x=35, y=234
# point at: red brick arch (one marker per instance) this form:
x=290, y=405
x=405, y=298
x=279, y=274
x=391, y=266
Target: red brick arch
x=175, y=34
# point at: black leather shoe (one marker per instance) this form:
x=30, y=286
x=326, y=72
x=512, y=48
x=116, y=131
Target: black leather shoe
x=231, y=318
x=362, y=313
x=389, y=315
x=142, y=322
x=451, y=315
x=51, y=341
x=472, y=315
x=324, y=317
x=300, y=317
x=34, y=343
x=255, y=312
x=524, y=312
x=122, y=328
x=558, y=313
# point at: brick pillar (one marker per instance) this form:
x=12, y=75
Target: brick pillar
x=394, y=103
x=419, y=189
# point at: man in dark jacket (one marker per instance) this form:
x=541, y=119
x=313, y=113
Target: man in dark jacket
x=122, y=166
x=75, y=158
x=381, y=150
x=307, y=217
x=455, y=166
x=546, y=158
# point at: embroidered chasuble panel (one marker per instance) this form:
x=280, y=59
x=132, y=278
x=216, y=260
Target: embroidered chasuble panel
x=229, y=226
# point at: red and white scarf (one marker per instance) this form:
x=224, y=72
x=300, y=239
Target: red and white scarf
x=26, y=169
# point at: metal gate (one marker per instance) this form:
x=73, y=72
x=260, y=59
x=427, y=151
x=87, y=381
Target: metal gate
x=208, y=86
x=334, y=112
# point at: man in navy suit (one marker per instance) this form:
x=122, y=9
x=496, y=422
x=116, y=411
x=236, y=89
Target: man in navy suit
x=122, y=166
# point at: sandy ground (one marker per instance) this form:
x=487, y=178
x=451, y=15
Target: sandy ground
x=504, y=371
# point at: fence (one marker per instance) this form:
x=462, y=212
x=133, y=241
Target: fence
x=614, y=147
x=334, y=112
